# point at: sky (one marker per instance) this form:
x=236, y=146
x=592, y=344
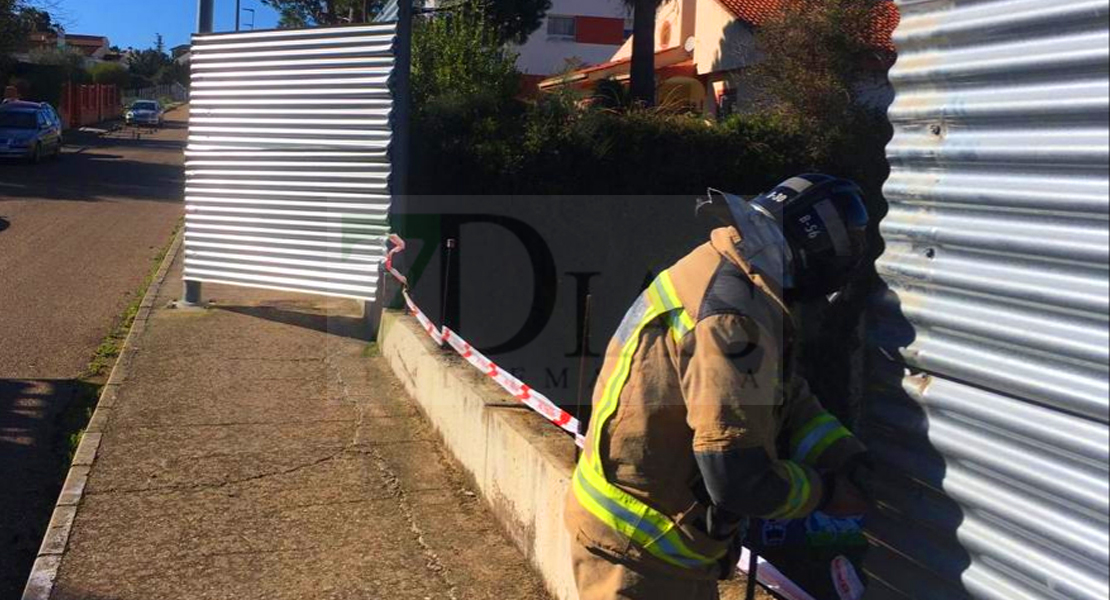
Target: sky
x=134, y=23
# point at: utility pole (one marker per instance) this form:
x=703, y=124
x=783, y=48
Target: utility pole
x=205, y=16
x=238, y=10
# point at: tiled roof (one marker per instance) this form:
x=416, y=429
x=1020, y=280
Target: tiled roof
x=752, y=11
x=757, y=12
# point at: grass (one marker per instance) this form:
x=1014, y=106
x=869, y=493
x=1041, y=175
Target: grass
x=73, y=420
x=371, y=350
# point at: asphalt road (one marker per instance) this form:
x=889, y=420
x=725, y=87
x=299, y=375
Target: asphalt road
x=77, y=238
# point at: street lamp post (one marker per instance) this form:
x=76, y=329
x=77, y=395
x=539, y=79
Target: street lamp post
x=237, y=11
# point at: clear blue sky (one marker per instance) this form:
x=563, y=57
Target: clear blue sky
x=135, y=22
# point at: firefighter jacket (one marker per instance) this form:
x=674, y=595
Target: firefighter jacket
x=696, y=394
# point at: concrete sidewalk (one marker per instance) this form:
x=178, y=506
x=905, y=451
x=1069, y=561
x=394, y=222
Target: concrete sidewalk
x=259, y=449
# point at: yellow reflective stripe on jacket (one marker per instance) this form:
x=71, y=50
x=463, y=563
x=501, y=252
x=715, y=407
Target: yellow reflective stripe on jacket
x=800, y=491
x=646, y=527
x=619, y=510
x=678, y=320
x=680, y=323
x=816, y=436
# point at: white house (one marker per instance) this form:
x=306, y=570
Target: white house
x=702, y=48
x=574, y=34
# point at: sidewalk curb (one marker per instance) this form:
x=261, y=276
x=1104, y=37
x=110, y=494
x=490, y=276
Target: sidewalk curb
x=522, y=465
x=40, y=583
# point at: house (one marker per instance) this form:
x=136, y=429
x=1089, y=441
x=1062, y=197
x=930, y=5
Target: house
x=93, y=48
x=703, y=45
x=574, y=33
x=181, y=54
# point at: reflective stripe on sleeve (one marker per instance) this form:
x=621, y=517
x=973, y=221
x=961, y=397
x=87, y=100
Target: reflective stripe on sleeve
x=800, y=491
x=815, y=437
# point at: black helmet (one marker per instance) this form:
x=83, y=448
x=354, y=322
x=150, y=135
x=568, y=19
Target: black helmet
x=825, y=221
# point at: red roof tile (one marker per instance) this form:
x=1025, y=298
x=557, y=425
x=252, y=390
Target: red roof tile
x=758, y=12
x=752, y=11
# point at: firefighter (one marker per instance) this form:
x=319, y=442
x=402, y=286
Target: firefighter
x=699, y=421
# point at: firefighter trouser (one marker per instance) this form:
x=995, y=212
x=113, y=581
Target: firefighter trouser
x=601, y=578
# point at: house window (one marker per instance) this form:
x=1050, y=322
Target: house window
x=728, y=103
x=561, y=27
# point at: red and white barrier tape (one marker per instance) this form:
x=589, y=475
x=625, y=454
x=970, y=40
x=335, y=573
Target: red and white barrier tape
x=772, y=578
x=520, y=390
x=767, y=574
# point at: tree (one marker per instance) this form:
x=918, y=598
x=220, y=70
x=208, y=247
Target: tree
x=20, y=17
x=511, y=20
x=308, y=13
x=643, y=50
x=111, y=74
x=174, y=72
x=37, y=20
x=817, y=55
x=515, y=20
x=147, y=63
x=11, y=30
x=460, y=57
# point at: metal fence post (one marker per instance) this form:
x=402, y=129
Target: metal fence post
x=399, y=147
x=191, y=295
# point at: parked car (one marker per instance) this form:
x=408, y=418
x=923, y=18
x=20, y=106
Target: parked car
x=145, y=112
x=29, y=130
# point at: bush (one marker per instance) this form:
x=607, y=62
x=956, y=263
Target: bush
x=553, y=147
x=460, y=57
x=472, y=135
x=139, y=82
x=111, y=74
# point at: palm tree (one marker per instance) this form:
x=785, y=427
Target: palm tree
x=643, y=50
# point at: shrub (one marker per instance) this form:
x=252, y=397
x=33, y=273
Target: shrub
x=472, y=135
x=461, y=57
x=553, y=147
x=111, y=74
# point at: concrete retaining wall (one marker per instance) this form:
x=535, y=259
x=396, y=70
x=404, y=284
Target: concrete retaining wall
x=521, y=463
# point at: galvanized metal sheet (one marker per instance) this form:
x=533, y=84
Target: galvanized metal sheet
x=389, y=12
x=991, y=398
x=288, y=165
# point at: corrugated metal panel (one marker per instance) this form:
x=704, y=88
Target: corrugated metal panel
x=990, y=406
x=389, y=12
x=288, y=164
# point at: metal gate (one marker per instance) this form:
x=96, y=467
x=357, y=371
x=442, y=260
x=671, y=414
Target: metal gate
x=990, y=411
x=288, y=162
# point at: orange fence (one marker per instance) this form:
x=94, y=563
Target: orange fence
x=88, y=104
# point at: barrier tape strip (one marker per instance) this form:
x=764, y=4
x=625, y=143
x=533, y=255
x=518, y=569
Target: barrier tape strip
x=519, y=390
x=768, y=575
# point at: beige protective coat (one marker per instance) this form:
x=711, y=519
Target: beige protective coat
x=726, y=384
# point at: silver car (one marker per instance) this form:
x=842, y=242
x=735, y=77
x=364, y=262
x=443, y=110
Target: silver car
x=29, y=130
x=145, y=112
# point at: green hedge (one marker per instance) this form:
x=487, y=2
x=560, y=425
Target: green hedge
x=483, y=145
